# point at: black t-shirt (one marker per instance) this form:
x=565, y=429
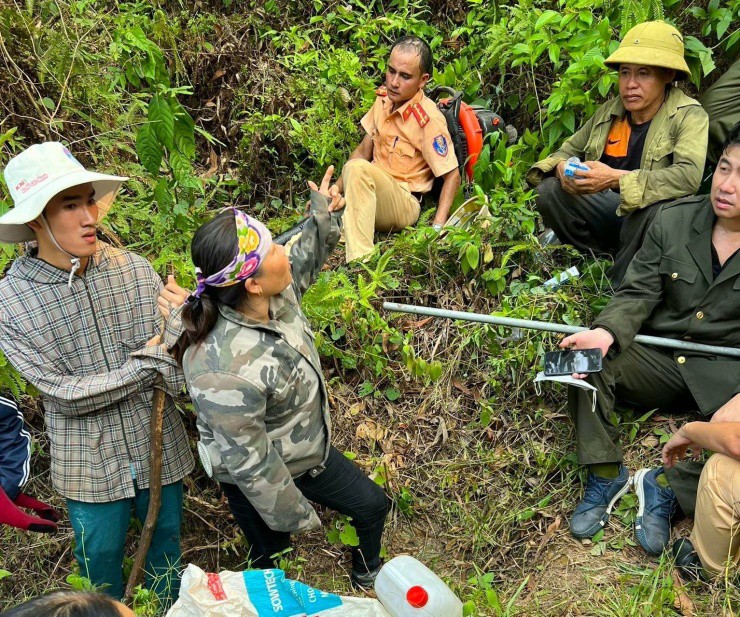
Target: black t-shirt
x=625, y=143
x=716, y=266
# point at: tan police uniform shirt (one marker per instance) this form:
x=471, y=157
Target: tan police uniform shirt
x=412, y=143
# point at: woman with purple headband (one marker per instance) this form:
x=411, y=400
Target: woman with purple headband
x=254, y=375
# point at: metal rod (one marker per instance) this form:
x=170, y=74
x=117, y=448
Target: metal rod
x=555, y=327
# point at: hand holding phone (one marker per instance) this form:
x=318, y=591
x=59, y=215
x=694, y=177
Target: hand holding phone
x=573, y=362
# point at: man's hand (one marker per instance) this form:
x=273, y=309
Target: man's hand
x=598, y=338
x=729, y=412
x=333, y=194
x=171, y=297
x=599, y=178
x=675, y=449
x=155, y=340
x=568, y=184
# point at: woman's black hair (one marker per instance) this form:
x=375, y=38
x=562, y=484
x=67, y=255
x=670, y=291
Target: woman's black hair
x=213, y=247
x=67, y=604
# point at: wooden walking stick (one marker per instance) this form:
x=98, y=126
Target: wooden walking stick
x=155, y=488
x=155, y=484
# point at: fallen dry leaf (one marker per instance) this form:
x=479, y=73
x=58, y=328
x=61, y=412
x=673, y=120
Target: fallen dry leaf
x=682, y=602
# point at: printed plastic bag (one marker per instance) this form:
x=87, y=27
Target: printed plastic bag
x=262, y=593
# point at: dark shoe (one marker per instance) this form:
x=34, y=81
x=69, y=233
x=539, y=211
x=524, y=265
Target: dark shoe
x=687, y=561
x=363, y=581
x=599, y=497
x=657, y=507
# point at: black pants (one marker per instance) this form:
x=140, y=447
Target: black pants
x=590, y=223
x=341, y=487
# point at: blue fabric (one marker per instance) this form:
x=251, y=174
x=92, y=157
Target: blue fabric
x=100, y=538
x=15, y=448
x=658, y=505
x=599, y=497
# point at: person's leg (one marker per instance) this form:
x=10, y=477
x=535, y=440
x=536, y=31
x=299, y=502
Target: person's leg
x=634, y=228
x=640, y=375
x=588, y=222
x=716, y=533
x=163, y=557
x=344, y=488
x=374, y=201
x=263, y=541
x=100, y=538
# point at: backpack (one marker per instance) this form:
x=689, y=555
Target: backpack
x=469, y=125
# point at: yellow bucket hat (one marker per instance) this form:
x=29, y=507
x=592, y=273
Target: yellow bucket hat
x=652, y=43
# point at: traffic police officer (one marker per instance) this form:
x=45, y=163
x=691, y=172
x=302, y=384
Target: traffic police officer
x=406, y=146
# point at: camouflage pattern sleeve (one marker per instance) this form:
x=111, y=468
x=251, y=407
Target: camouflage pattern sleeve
x=317, y=241
x=234, y=410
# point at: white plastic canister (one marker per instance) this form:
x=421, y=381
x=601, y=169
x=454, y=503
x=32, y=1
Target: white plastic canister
x=407, y=588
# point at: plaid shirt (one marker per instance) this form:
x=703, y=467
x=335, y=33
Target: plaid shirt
x=84, y=349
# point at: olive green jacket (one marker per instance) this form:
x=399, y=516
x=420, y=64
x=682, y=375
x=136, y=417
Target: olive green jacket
x=668, y=290
x=722, y=104
x=672, y=160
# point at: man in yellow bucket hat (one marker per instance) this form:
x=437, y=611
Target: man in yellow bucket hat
x=644, y=147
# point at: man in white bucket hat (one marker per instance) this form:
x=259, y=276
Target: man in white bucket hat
x=79, y=320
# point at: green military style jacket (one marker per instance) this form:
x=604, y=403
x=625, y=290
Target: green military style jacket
x=669, y=291
x=722, y=104
x=259, y=393
x=672, y=160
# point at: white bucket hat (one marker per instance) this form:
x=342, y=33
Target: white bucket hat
x=39, y=173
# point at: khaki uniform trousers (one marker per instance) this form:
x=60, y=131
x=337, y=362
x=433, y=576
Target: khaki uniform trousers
x=716, y=534
x=375, y=201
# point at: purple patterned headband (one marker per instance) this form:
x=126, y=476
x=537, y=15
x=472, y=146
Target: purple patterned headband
x=255, y=241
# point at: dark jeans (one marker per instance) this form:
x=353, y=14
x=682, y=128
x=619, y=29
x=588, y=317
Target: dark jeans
x=644, y=377
x=590, y=223
x=341, y=487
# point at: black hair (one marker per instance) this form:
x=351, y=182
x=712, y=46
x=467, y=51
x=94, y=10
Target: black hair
x=213, y=247
x=420, y=46
x=732, y=139
x=67, y=604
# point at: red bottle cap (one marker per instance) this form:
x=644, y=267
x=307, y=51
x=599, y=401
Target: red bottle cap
x=417, y=596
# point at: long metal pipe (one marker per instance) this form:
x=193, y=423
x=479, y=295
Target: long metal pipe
x=555, y=327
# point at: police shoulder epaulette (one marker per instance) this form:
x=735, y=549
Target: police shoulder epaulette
x=418, y=112
x=382, y=91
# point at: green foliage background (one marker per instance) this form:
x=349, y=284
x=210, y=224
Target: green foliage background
x=221, y=102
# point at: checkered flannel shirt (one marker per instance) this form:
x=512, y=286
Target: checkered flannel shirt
x=84, y=349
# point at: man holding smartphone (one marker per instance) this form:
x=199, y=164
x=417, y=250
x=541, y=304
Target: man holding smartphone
x=684, y=283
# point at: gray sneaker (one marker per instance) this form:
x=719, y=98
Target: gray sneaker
x=599, y=497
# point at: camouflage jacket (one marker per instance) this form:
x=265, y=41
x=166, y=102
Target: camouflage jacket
x=259, y=392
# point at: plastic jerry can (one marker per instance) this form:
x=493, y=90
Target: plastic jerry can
x=407, y=588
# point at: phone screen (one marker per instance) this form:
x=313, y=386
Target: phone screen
x=572, y=361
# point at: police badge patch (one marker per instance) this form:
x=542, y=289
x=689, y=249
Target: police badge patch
x=440, y=145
